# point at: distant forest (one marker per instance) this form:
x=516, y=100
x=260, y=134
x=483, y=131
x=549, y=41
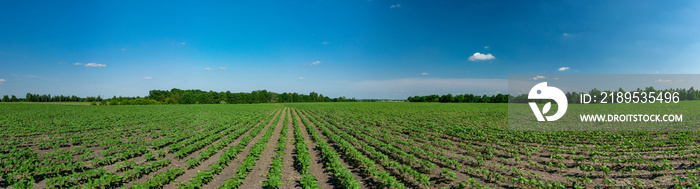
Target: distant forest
x=179, y=96
x=572, y=97
x=48, y=98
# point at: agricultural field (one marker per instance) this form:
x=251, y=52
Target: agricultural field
x=325, y=145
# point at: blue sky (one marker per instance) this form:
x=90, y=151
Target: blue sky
x=363, y=49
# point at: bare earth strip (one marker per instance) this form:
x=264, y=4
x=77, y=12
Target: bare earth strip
x=228, y=171
x=290, y=177
x=316, y=168
x=258, y=174
x=365, y=183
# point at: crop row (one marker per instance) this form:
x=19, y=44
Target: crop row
x=303, y=162
x=205, y=176
x=332, y=160
x=274, y=175
x=407, y=173
x=251, y=158
x=191, y=163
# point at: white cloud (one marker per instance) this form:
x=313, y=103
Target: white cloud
x=2, y=80
x=424, y=73
x=395, y=6
x=301, y=78
x=147, y=77
x=538, y=77
x=183, y=43
x=486, y=47
x=316, y=63
x=324, y=43
x=222, y=68
x=95, y=65
x=90, y=64
x=207, y=68
x=566, y=34
x=479, y=56
x=563, y=69
x=123, y=49
x=663, y=81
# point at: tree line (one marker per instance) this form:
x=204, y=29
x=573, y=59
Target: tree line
x=192, y=96
x=196, y=96
x=48, y=98
x=462, y=98
x=572, y=97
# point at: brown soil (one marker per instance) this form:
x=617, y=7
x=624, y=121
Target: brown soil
x=258, y=174
x=290, y=177
x=189, y=174
x=364, y=182
x=316, y=168
x=232, y=167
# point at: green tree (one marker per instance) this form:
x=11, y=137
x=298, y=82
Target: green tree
x=447, y=98
x=211, y=98
x=170, y=101
x=313, y=97
x=222, y=96
x=574, y=98
x=113, y=101
x=284, y=97
x=272, y=97
x=692, y=94
x=486, y=99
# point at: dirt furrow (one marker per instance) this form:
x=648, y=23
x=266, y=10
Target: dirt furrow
x=316, y=168
x=230, y=170
x=258, y=174
x=290, y=177
x=366, y=182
